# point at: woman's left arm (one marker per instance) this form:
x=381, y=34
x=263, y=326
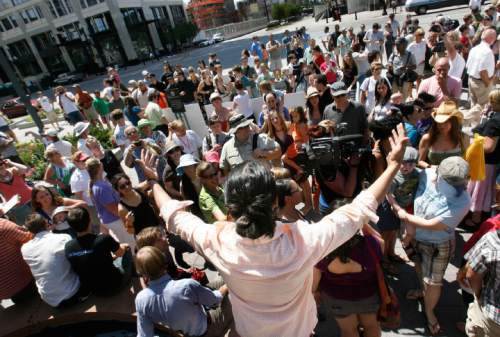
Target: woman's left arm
x=73, y=203
x=490, y=143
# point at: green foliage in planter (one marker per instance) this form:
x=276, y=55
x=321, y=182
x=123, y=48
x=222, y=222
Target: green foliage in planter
x=103, y=136
x=32, y=154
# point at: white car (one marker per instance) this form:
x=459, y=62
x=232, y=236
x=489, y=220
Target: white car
x=218, y=37
x=206, y=43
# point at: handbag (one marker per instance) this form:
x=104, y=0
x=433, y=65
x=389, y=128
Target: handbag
x=409, y=75
x=389, y=314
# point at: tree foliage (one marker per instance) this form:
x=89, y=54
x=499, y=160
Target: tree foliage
x=284, y=11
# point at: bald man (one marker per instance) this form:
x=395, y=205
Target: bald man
x=481, y=70
x=441, y=85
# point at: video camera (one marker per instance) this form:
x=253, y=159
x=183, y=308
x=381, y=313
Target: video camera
x=331, y=151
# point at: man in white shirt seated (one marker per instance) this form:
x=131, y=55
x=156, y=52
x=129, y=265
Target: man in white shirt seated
x=57, y=284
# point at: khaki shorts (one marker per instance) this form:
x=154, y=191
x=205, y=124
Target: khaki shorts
x=479, y=325
x=434, y=258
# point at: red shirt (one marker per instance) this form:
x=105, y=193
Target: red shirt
x=16, y=186
x=14, y=272
x=331, y=76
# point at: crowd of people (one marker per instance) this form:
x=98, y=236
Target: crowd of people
x=297, y=208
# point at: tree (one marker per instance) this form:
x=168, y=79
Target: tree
x=278, y=12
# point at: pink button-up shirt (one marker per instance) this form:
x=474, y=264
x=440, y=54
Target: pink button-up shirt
x=431, y=86
x=270, y=278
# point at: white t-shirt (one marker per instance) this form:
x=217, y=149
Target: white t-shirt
x=475, y=4
x=66, y=103
x=418, y=51
x=457, y=66
x=107, y=93
x=142, y=98
x=361, y=60
x=394, y=27
x=119, y=135
x=63, y=147
x=45, y=103
x=243, y=103
x=79, y=182
x=190, y=143
x=54, y=278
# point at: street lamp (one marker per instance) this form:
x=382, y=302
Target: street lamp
x=19, y=89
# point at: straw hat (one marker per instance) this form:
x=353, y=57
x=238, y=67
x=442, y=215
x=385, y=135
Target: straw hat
x=446, y=110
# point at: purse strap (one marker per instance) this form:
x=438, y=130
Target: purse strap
x=382, y=286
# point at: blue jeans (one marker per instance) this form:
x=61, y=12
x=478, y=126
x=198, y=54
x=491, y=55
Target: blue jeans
x=74, y=117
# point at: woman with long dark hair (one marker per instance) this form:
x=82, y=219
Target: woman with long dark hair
x=245, y=251
x=383, y=104
x=444, y=138
x=135, y=209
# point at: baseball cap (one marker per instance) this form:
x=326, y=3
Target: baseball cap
x=237, y=122
x=454, y=170
x=339, y=89
x=144, y=122
x=185, y=161
x=411, y=155
x=52, y=133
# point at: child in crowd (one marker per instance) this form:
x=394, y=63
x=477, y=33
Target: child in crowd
x=396, y=98
x=242, y=100
x=121, y=124
x=404, y=187
x=60, y=223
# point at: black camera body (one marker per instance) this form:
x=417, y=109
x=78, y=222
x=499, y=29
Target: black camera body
x=331, y=151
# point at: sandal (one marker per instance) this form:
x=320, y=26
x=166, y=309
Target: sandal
x=434, y=328
x=414, y=294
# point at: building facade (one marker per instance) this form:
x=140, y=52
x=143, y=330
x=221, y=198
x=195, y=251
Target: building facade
x=208, y=14
x=49, y=37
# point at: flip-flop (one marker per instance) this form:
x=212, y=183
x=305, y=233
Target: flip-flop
x=414, y=294
x=434, y=328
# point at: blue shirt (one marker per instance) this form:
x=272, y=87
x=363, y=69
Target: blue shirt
x=412, y=133
x=438, y=199
x=176, y=304
x=255, y=47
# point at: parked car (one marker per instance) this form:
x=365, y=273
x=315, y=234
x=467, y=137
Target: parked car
x=206, y=43
x=422, y=6
x=218, y=37
x=13, y=107
x=68, y=78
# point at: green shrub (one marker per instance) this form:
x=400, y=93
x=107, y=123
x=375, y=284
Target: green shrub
x=32, y=154
x=103, y=136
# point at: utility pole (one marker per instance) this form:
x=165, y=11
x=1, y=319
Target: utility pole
x=267, y=11
x=19, y=89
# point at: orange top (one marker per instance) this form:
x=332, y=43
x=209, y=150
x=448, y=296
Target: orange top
x=299, y=135
x=162, y=101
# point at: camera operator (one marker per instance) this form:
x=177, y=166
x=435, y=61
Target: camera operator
x=337, y=183
x=342, y=110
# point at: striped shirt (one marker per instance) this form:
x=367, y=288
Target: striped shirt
x=14, y=272
x=484, y=258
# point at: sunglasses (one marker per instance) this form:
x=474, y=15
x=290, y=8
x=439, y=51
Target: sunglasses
x=209, y=176
x=124, y=185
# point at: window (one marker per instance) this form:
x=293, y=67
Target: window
x=83, y=4
x=132, y=16
x=44, y=40
x=30, y=15
x=159, y=13
x=18, y=2
x=178, y=14
x=98, y=23
x=20, y=49
x=6, y=23
x=57, y=8
x=13, y=20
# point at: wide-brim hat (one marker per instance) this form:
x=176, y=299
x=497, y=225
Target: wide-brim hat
x=311, y=92
x=214, y=96
x=81, y=127
x=144, y=122
x=58, y=210
x=238, y=121
x=170, y=145
x=185, y=161
x=445, y=111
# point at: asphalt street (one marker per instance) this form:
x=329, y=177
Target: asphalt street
x=229, y=51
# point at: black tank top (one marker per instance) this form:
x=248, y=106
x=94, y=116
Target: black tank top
x=144, y=214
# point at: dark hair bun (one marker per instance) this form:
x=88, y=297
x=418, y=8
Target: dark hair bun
x=250, y=195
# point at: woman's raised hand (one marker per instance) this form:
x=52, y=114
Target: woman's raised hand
x=398, y=142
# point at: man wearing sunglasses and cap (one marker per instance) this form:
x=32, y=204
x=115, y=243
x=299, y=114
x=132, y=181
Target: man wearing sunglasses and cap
x=342, y=110
x=245, y=145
